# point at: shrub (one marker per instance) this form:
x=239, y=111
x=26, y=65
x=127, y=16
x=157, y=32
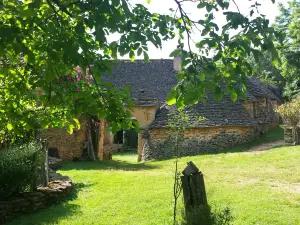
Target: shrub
x=290, y=112
x=20, y=168
x=204, y=216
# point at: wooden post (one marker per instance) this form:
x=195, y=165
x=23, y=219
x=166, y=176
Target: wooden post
x=140, y=147
x=101, y=141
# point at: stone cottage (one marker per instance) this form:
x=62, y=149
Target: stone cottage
x=223, y=123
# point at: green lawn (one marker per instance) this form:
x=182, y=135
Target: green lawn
x=259, y=188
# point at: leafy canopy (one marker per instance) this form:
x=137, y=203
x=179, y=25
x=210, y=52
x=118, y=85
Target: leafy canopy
x=288, y=23
x=52, y=50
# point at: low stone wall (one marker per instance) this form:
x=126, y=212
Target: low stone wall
x=57, y=190
x=157, y=143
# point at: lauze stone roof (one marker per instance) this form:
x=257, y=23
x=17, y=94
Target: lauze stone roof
x=151, y=80
x=212, y=113
x=155, y=79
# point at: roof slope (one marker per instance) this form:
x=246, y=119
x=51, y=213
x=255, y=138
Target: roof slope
x=152, y=80
x=258, y=89
x=155, y=79
x=213, y=113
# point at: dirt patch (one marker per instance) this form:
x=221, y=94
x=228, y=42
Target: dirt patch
x=293, y=188
x=266, y=146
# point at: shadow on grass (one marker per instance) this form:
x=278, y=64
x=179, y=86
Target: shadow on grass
x=54, y=213
x=108, y=165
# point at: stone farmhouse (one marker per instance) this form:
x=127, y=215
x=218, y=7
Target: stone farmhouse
x=223, y=124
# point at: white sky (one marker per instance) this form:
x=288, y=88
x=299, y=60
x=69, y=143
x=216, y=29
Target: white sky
x=162, y=6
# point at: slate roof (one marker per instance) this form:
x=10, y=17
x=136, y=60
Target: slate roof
x=154, y=80
x=258, y=89
x=151, y=80
x=213, y=113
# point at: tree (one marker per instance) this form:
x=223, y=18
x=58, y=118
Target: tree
x=43, y=41
x=288, y=23
x=266, y=71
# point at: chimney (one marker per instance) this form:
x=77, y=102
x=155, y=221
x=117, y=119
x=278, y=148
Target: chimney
x=177, y=59
x=177, y=63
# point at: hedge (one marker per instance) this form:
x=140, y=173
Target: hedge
x=21, y=169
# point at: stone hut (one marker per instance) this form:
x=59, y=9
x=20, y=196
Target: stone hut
x=212, y=126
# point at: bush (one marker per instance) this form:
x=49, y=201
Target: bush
x=204, y=216
x=20, y=168
x=290, y=112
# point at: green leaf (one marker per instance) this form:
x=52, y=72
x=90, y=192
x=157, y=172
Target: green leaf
x=9, y=126
x=201, y=76
x=171, y=98
x=77, y=123
x=115, y=2
x=218, y=93
x=146, y=57
x=70, y=128
x=180, y=102
x=234, y=95
x=102, y=115
x=202, y=4
x=80, y=28
x=175, y=53
x=26, y=58
x=140, y=51
x=132, y=56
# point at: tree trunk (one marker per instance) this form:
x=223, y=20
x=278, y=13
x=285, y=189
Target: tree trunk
x=101, y=141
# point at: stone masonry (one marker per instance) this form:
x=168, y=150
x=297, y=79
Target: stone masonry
x=157, y=142
x=70, y=146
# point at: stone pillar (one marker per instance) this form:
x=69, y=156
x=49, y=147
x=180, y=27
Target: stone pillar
x=101, y=141
x=140, y=147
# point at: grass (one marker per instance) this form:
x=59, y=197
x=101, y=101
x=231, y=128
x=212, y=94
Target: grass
x=259, y=187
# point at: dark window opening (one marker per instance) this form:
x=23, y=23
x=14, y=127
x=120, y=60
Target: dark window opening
x=118, y=138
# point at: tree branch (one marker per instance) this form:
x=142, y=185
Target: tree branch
x=55, y=12
x=236, y=6
x=184, y=17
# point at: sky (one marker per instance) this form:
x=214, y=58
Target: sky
x=267, y=8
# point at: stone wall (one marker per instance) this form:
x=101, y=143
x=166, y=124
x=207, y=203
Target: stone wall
x=264, y=112
x=70, y=146
x=250, y=108
x=28, y=202
x=289, y=138
x=157, y=143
